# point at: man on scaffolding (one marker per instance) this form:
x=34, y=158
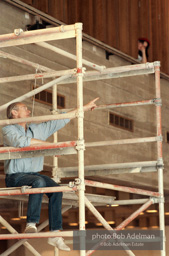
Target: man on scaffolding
x=26, y=171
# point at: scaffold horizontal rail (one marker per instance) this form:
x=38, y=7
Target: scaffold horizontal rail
x=89, y=75
x=111, y=166
x=52, y=74
x=109, y=73
x=119, y=105
x=46, y=149
x=48, y=74
x=125, y=104
x=37, y=119
x=121, y=188
x=131, y=201
x=70, y=198
x=20, y=37
x=27, y=191
x=57, y=148
x=99, y=199
x=127, y=68
x=36, y=235
x=121, y=142
x=45, y=145
x=107, y=172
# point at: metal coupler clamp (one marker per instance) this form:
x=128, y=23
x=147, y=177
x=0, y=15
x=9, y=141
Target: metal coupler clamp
x=157, y=200
x=160, y=138
x=71, y=184
x=62, y=28
x=23, y=188
x=78, y=181
x=18, y=31
x=80, y=145
x=80, y=71
x=160, y=163
x=79, y=114
x=157, y=101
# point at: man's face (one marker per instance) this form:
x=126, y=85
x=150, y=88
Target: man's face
x=21, y=111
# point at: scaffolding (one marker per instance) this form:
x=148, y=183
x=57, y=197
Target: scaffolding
x=40, y=38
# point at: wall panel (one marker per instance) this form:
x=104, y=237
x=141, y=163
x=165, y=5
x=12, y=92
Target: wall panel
x=143, y=18
x=117, y=23
x=155, y=29
x=112, y=21
x=86, y=13
x=124, y=25
x=133, y=27
x=99, y=19
x=73, y=11
x=164, y=51
x=58, y=9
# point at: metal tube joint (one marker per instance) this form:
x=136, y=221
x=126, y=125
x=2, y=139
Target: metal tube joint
x=18, y=31
x=54, y=111
x=74, y=183
x=80, y=71
x=153, y=200
x=160, y=163
x=79, y=113
x=62, y=28
x=24, y=188
x=56, y=178
x=159, y=138
x=158, y=200
x=80, y=145
x=157, y=64
x=79, y=25
x=157, y=101
x=81, y=187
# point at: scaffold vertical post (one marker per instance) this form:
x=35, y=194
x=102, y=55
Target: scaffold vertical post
x=55, y=135
x=80, y=115
x=55, y=140
x=159, y=153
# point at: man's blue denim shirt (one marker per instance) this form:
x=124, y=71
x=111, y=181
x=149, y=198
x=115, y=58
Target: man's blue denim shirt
x=16, y=136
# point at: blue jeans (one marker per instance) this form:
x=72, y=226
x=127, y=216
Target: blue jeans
x=37, y=180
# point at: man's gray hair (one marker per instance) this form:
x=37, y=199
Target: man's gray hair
x=10, y=108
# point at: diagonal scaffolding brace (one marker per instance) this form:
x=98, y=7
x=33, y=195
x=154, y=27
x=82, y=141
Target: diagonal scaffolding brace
x=24, y=241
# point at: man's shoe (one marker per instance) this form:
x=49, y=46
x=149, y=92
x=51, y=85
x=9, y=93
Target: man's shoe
x=31, y=228
x=59, y=243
